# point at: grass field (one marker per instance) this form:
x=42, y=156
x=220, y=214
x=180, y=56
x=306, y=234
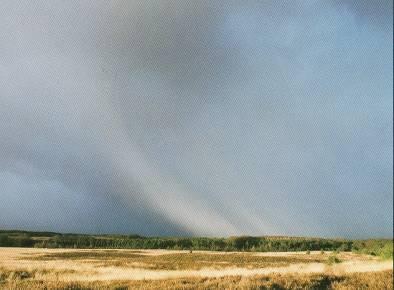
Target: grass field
x=29, y=268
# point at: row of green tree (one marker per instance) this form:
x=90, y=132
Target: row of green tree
x=380, y=247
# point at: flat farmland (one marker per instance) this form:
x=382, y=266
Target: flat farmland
x=30, y=268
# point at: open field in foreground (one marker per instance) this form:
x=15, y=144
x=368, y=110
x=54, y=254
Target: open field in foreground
x=29, y=268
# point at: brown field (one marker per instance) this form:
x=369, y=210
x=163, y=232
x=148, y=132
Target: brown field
x=24, y=268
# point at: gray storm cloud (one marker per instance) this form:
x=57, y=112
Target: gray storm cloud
x=197, y=117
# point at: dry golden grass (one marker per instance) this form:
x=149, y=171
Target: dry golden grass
x=22, y=268
x=179, y=261
x=373, y=280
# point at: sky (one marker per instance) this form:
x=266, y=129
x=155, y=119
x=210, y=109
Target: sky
x=197, y=118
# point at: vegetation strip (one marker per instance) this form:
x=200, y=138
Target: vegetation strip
x=377, y=247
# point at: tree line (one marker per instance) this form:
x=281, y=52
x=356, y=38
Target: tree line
x=379, y=247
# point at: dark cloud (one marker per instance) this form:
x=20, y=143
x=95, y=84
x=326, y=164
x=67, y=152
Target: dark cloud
x=379, y=12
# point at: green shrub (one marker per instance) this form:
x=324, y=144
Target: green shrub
x=333, y=259
x=387, y=251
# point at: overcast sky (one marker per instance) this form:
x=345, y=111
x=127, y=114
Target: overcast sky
x=197, y=117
